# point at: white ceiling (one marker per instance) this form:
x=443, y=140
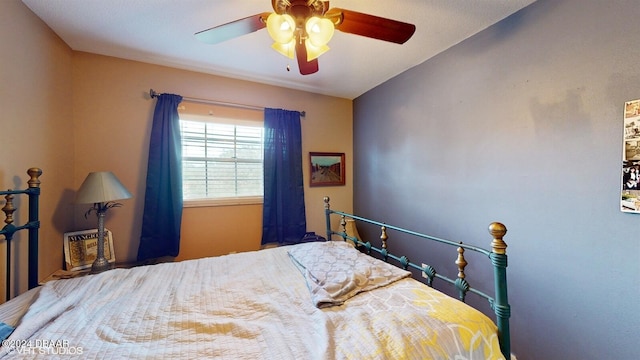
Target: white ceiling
x=161, y=32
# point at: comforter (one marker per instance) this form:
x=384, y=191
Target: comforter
x=255, y=305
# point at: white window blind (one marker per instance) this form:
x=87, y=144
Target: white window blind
x=222, y=152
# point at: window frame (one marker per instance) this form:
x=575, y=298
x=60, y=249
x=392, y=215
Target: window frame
x=237, y=119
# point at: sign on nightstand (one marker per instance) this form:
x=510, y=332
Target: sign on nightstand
x=81, y=248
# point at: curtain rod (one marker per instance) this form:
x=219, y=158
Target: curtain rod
x=155, y=94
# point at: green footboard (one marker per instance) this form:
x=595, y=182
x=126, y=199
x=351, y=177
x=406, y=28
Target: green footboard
x=499, y=301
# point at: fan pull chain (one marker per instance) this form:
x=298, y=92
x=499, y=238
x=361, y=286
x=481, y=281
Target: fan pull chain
x=289, y=57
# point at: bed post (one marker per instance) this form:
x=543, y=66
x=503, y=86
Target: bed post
x=327, y=215
x=34, y=224
x=501, y=305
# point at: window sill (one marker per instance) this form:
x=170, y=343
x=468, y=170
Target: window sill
x=249, y=200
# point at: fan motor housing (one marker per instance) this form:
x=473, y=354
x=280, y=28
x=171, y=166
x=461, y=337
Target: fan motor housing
x=300, y=8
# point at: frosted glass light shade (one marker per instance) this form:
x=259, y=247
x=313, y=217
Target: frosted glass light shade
x=287, y=49
x=101, y=187
x=319, y=31
x=314, y=51
x=281, y=28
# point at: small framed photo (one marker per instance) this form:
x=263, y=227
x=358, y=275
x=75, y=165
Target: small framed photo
x=81, y=249
x=327, y=169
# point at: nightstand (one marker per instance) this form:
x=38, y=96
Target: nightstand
x=64, y=274
x=131, y=264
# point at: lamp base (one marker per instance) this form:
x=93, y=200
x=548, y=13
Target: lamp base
x=100, y=265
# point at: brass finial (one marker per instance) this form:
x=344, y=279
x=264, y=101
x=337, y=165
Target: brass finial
x=8, y=209
x=35, y=174
x=383, y=236
x=498, y=230
x=461, y=262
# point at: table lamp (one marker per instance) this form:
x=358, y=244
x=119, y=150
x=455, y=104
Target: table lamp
x=101, y=189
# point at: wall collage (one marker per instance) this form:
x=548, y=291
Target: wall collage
x=630, y=199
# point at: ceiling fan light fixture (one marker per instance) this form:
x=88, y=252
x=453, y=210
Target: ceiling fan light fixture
x=319, y=30
x=303, y=28
x=287, y=49
x=281, y=28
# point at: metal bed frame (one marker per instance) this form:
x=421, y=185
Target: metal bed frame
x=32, y=225
x=499, y=302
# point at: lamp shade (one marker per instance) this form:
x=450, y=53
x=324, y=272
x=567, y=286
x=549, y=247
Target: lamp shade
x=100, y=187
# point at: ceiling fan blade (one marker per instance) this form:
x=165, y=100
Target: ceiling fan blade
x=371, y=26
x=233, y=29
x=306, y=67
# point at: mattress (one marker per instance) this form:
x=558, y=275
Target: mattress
x=254, y=305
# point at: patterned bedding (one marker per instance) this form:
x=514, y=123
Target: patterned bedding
x=244, y=306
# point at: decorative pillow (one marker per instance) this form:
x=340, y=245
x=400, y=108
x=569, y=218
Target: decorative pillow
x=335, y=271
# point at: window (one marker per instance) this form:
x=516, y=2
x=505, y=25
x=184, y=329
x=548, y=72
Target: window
x=221, y=158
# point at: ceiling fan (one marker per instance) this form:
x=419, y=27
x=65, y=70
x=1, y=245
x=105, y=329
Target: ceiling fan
x=304, y=27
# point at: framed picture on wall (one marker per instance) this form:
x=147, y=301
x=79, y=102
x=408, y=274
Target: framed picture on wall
x=327, y=169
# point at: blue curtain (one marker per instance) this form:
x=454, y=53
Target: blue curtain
x=163, y=196
x=283, y=214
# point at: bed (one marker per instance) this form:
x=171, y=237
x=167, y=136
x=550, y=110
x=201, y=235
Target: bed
x=314, y=300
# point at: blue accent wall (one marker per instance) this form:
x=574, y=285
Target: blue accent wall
x=522, y=124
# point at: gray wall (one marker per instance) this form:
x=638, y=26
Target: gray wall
x=522, y=124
